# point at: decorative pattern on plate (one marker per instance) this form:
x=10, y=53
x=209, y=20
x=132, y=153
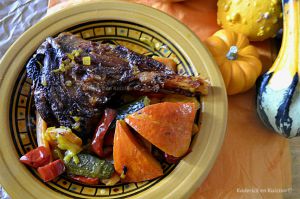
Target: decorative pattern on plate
x=22, y=112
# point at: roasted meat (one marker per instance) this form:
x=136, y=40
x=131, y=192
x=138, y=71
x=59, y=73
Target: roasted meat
x=74, y=78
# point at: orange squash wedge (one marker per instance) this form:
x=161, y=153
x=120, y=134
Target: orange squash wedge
x=129, y=152
x=166, y=125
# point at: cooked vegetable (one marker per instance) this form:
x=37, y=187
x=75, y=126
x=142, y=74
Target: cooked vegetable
x=53, y=134
x=41, y=127
x=86, y=61
x=37, y=157
x=174, y=160
x=51, y=170
x=124, y=172
x=195, y=129
x=258, y=20
x=114, y=179
x=132, y=107
x=102, y=129
x=181, y=98
x=278, y=89
x=57, y=153
x=166, y=125
x=109, y=139
x=65, y=140
x=171, y=159
x=128, y=152
x=90, y=166
x=122, y=112
x=127, y=109
x=85, y=180
x=238, y=61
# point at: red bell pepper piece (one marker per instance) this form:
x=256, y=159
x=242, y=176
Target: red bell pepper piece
x=109, y=138
x=97, y=143
x=109, y=142
x=51, y=170
x=85, y=180
x=37, y=157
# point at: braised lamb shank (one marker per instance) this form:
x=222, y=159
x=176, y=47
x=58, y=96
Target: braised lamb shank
x=74, y=78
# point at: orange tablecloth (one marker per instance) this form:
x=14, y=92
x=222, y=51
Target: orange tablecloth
x=253, y=162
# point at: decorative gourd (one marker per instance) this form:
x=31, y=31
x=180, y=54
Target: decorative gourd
x=257, y=19
x=238, y=61
x=278, y=96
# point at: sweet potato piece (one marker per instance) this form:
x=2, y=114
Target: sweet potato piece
x=166, y=125
x=127, y=151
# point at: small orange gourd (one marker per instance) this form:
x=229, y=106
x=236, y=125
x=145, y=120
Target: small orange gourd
x=238, y=60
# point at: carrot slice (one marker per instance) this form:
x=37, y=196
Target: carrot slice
x=130, y=154
x=166, y=125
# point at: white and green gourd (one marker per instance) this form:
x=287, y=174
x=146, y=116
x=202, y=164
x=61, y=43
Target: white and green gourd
x=278, y=90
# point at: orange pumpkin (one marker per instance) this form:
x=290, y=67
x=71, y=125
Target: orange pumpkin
x=166, y=125
x=129, y=152
x=238, y=61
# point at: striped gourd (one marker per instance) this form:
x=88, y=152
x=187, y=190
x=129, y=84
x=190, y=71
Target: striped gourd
x=278, y=91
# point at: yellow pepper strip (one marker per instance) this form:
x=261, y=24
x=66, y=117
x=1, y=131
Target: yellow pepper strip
x=70, y=56
x=41, y=127
x=66, y=140
x=86, y=61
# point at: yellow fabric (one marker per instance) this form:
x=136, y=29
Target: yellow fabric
x=254, y=163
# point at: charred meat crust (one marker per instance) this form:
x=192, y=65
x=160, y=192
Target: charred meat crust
x=69, y=93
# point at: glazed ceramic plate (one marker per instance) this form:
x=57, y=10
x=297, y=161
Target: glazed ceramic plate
x=144, y=30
